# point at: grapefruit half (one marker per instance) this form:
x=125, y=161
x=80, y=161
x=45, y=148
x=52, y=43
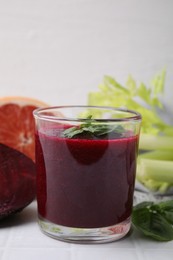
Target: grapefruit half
x=17, y=124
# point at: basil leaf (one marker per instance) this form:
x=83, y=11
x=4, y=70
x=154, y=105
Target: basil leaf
x=154, y=219
x=93, y=129
x=166, y=209
x=72, y=131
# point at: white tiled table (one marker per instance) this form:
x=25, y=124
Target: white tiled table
x=21, y=239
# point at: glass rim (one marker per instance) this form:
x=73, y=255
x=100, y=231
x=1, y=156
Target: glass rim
x=136, y=116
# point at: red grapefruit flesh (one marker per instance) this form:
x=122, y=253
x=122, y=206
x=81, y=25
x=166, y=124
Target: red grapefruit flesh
x=17, y=123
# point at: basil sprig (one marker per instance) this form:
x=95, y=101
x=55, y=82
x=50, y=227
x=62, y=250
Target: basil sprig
x=93, y=129
x=154, y=219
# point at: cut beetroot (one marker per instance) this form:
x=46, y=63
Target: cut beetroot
x=17, y=181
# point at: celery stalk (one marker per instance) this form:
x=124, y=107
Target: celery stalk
x=166, y=155
x=155, y=174
x=152, y=142
x=157, y=186
x=154, y=169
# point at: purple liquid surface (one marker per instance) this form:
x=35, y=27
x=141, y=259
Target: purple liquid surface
x=85, y=183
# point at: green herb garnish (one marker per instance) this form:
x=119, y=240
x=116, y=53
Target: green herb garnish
x=154, y=219
x=92, y=128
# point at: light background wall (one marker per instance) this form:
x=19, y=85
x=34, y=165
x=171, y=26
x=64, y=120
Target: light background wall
x=59, y=50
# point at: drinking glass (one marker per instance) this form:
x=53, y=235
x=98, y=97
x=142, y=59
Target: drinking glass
x=86, y=165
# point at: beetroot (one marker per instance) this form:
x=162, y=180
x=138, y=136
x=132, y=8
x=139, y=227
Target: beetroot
x=17, y=181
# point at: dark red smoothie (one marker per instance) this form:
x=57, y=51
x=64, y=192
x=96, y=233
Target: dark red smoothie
x=85, y=183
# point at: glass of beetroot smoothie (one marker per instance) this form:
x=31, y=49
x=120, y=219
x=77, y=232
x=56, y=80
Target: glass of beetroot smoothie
x=86, y=166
